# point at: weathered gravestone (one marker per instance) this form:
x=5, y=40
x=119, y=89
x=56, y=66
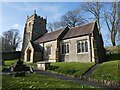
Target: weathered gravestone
x=19, y=66
x=43, y=65
x=18, y=69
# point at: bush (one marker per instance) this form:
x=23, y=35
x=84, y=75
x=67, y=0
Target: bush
x=112, y=53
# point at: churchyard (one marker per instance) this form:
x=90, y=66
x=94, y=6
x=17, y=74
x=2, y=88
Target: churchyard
x=35, y=81
x=108, y=71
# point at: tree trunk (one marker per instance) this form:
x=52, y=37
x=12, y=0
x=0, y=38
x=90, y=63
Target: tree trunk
x=113, y=40
x=114, y=44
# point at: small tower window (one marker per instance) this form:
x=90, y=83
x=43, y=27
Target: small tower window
x=29, y=24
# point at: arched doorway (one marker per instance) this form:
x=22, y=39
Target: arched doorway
x=28, y=55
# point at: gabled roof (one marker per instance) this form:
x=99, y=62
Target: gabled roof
x=80, y=30
x=73, y=32
x=49, y=36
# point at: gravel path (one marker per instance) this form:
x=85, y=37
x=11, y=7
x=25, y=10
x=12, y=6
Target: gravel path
x=89, y=72
x=78, y=80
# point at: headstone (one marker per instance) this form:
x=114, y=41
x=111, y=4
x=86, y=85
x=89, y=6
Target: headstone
x=18, y=69
x=19, y=66
x=43, y=65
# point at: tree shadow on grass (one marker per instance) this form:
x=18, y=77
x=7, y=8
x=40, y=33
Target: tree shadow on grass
x=52, y=67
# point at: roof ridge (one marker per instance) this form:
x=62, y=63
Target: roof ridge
x=83, y=24
x=54, y=31
x=58, y=29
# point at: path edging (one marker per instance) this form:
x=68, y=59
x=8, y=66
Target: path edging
x=106, y=82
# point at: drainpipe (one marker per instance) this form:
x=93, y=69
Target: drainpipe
x=90, y=47
x=43, y=53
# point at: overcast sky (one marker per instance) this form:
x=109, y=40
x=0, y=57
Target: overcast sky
x=14, y=14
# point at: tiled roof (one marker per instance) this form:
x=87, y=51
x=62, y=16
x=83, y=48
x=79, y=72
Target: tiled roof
x=49, y=36
x=79, y=30
x=73, y=32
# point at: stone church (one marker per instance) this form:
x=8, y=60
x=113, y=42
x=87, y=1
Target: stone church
x=78, y=44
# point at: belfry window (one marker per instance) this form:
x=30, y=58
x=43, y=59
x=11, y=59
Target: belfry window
x=29, y=24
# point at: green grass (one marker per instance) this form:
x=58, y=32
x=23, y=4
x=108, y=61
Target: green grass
x=108, y=71
x=70, y=68
x=32, y=64
x=8, y=63
x=36, y=81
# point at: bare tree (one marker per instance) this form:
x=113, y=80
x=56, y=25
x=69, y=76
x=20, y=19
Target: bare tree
x=72, y=19
x=54, y=26
x=95, y=9
x=118, y=12
x=10, y=40
x=112, y=21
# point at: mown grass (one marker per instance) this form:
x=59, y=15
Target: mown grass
x=108, y=71
x=70, y=68
x=8, y=63
x=37, y=81
x=34, y=65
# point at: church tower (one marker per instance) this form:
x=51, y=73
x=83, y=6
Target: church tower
x=35, y=27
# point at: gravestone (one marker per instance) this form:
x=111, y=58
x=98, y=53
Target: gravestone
x=43, y=65
x=18, y=69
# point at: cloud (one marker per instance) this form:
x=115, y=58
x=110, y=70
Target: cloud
x=16, y=26
x=52, y=11
x=50, y=8
x=29, y=6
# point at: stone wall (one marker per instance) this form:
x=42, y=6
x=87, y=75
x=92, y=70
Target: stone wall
x=11, y=55
x=73, y=56
x=50, y=57
x=98, y=46
x=37, y=56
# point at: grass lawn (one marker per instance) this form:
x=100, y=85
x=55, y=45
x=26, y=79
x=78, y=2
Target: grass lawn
x=31, y=64
x=70, y=68
x=36, y=81
x=8, y=63
x=108, y=71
